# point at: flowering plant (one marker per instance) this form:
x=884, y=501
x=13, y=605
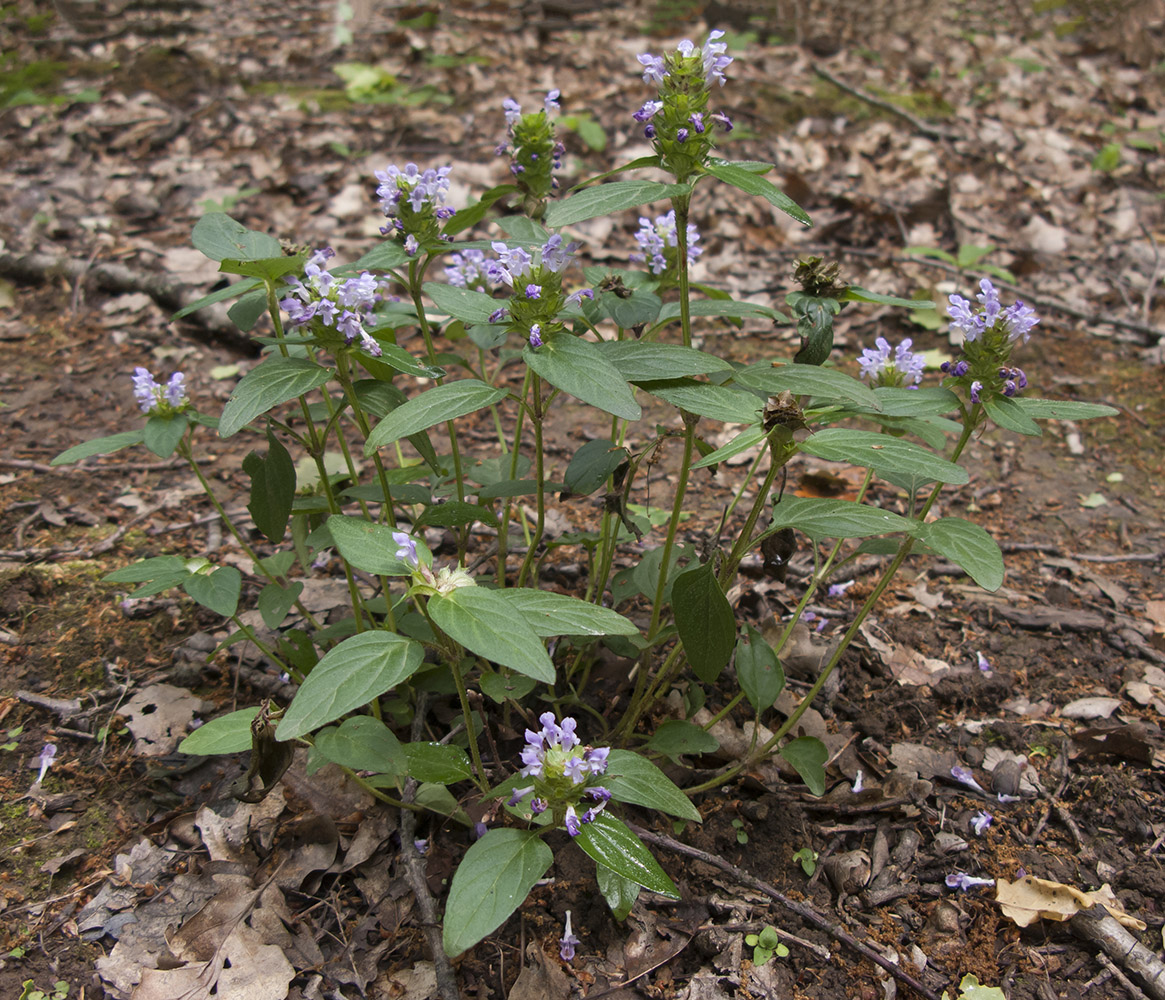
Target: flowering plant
x=345, y=345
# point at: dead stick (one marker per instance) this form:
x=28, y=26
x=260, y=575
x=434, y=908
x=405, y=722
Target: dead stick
x=803, y=910
x=932, y=131
x=1100, y=927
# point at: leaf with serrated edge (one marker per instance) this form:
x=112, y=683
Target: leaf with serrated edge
x=492, y=881
x=882, y=452
x=349, y=676
x=820, y=518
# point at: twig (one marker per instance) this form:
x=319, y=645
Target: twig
x=1100, y=927
x=1133, y=989
x=1055, y=550
x=415, y=873
x=932, y=131
x=803, y=910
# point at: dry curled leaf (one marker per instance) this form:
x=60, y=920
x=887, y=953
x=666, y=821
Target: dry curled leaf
x=1028, y=899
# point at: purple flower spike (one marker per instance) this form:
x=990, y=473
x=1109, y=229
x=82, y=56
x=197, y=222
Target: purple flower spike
x=963, y=881
x=567, y=942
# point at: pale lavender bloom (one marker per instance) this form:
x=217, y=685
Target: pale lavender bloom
x=653, y=67
x=538, y=806
x=859, y=783
x=567, y=942
x=596, y=758
x=556, y=256
x=45, y=760
x=285, y=678
x=876, y=362
x=512, y=110
x=518, y=794
x=417, y=187
x=963, y=881
x=1018, y=320
x=408, y=548
x=722, y=120
x=150, y=395
x=175, y=391
x=976, y=388
x=576, y=769
x=964, y=776
x=697, y=121
x=535, y=335
x=963, y=320
x=980, y=821
x=550, y=102
x=411, y=245
x=655, y=237
x=573, y=826
x=467, y=270
x=497, y=315
x=533, y=291
x=648, y=111
x=989, y=299
x=575, y=298
x=715, y=61
x=839, y=589
x=422, y=846
x=982, y=662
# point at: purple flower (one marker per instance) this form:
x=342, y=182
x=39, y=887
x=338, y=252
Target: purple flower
x=533, y=291
x=596, y=758
x=653, y=67
x=649, y=131
x=980, y=821
x=538, y=806
x=151, y=397
x=536, y=335
x=681, y=135
x=961, y=368
x=722, y=120
x=567, y=942
x=715, y=61
x=963, y=321
x=576, y=769
x=1018, y=320
x=512, y=110
x=573, y=826
x=963, y=881
x=648, y=111
x=497, y=315
x=697, y=121
x=964, y=777
x=518, y=794
x=906, y=367
x=976, y=388
x=407, y=551
x=555, y=256
x=656, y=238
x=467, y=270
x=480, y=830
x=422, y=846
x=411, y=245
x=982, y=662
x=575, y=298
x=550, y=102
x=839, y=589
x=45, y=760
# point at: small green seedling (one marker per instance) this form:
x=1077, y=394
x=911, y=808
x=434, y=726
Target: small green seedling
x=808, y=858
x=11, y=741
x=60, y=991
x=741, y=836
x=765, y=945
x=969, y=989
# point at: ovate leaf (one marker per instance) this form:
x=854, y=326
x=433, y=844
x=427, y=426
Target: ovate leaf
x=759, y=671
x=275, y=381
x=969, y=546
x=705, y=621
x=612, y=844
x=808, y=755
x=485, y=623
x=635, y=779
x=226, y=734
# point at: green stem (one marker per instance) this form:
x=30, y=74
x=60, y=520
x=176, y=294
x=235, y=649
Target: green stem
x=539, y=473
x=266, y=650
x=744, y=541
x=507, y=509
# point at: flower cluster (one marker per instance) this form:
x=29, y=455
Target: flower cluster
x=160, y=399
x=413, y=201
x=330, y=305
x=535, y=280
x=905, y=368
x=535, y=152
x=989, y=335
x=679, y=124
x=467, y=269
x=660, y=243
x=562, y=775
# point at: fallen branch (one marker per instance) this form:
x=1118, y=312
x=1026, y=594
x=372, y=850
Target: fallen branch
x=1096, y=925
x=170, y=295
x=803, y=910
x=931, y=131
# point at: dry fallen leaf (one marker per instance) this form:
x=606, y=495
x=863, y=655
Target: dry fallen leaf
x=1028, y=899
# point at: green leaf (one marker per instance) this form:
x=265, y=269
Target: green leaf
x=606, y=199
x=218, y=591
x=578, y=367
x=222, y=294
x=99, y=446
x=432, y=407
x=592, y=465
x=550, y=614
x=1053, y=409
x=856, y=294
x=226, y=734
x=275, y=381
x=272, y=488
x=759, y=671
x=275, y=602
x=220, y=237
x=752, y=183
x=348, y=677
x=148, y=570
x=717, y=402
x=162, y=434
x=492, y=881
x=808, y=755
x=499, y=687
x=484, y=623
x=1009, y=415
x=269, y=268
x=635, y=779
x=927, y=401
x=824, y=384
x=522, y=227
x=619, y=892
x=462, y=303
x=382, y=257
x=820, y=518
x=438, y=763
x=246, y=312
x=363, y=744
x=968, y=545
x=368, y=546
x=455, y=514
x=639, y=308
x=678, y=736
x=398, y=359
x=705, y=621
x=643, y=360
x=882, y=453
x=747, y=438
x=613, y=845
x=721, y=308
x=473, y=214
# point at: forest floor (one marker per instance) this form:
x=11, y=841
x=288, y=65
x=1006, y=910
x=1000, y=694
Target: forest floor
x=967, y=129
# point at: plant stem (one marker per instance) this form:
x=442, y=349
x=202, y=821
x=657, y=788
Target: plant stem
x=539, y=472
